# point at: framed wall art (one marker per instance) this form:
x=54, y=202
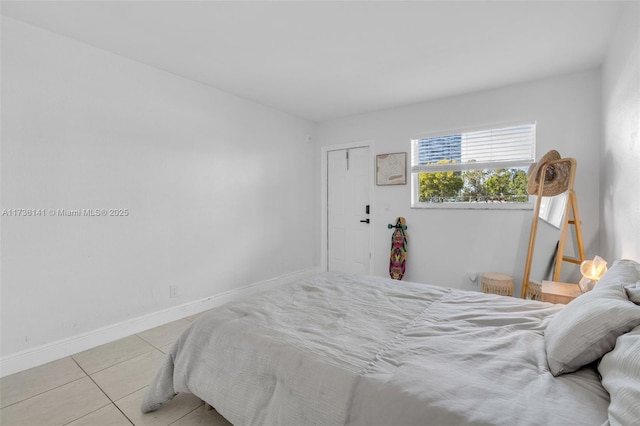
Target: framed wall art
x=391, y=169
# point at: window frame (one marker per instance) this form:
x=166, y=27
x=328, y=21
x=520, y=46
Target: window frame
x=415, y=185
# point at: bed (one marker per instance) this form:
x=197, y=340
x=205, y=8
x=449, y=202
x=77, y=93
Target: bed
x=340, y=349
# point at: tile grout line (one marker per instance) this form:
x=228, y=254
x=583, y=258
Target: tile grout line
x=119, y=362
x=48, y=390
x=112, y=402
x=151, y=344
x=195, y=409
x=152, y=348
x=158, y=347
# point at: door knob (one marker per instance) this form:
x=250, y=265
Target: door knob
x=365, y=221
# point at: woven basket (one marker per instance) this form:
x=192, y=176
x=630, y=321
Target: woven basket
x=496, y=283
x=534, y=291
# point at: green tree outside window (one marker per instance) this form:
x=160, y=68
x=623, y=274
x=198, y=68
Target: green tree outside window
x=480, y=185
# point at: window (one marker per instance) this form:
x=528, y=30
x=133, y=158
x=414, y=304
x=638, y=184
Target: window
x=474, y=169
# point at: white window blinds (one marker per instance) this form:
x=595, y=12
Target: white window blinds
x=504, y=147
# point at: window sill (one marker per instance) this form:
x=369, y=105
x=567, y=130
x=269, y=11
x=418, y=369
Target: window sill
x=474, y=206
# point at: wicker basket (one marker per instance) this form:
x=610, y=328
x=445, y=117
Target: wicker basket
x=496, y=283
x=534, y=291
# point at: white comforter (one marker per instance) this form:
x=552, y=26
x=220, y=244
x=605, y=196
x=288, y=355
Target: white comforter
x=340, y=349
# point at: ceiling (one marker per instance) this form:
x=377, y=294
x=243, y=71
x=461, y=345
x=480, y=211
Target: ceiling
x=329, y=59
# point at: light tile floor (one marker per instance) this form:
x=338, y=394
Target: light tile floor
x=103, y=386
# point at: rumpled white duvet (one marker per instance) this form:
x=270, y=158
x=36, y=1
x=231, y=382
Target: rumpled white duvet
x=342, y=349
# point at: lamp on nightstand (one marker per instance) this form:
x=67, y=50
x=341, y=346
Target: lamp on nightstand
x=592, y=271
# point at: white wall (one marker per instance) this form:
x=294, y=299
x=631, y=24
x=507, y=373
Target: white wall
x=446, y=244
x=220, y=191
x=620, y=179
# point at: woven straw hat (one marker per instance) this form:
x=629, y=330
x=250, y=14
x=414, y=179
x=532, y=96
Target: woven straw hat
x=556, y=180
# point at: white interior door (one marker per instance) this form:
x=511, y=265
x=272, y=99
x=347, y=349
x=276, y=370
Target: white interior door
x=348, y=234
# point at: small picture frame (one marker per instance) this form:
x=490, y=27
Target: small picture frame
x=391, y=169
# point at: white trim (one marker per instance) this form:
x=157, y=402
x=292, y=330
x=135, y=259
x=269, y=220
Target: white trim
x=474, y=206
x=324, y=151
x=459, y=167
x=43, y=354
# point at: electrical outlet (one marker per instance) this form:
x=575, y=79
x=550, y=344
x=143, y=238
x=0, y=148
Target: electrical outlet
x=173, y=291
x=473, y=277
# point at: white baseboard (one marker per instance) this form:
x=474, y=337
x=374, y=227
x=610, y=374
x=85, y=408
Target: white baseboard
x=43, y=354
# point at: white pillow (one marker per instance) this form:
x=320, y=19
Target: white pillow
x=633, y=292
x=622, y=271
x=620, y=371
x=587, y=328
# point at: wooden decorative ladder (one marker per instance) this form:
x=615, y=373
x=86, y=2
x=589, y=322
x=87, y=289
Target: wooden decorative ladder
x=571, y=218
